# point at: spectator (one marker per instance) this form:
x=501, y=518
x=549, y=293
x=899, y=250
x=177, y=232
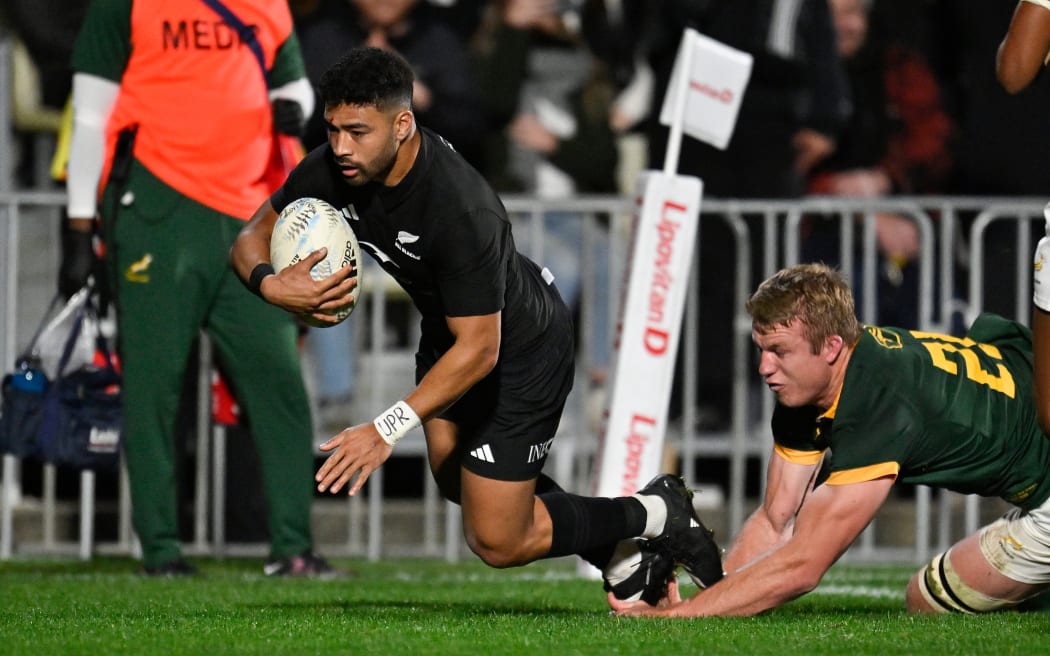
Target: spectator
x=462, y=16
x=896, y=141
x=547, y=98
x=612, y=29
x=178, y=179
x=46, y=30
x=446, y=96
x=794, y=107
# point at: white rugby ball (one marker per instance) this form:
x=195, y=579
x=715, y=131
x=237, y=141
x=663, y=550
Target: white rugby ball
x=307, y=225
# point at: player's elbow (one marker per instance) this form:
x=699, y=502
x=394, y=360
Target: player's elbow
x=241, y=246
x=1013, y=71
x=800, y=579
x=808, y=579
x=780, y=520
x=802, y=572
x=485, y=358
x=1011, y=79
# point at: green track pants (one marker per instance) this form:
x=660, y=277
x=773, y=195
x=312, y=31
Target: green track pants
x=167, y=261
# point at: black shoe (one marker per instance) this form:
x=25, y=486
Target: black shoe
x=685, y=538
x=638, y=571
x=173, y=569
x=305, y=565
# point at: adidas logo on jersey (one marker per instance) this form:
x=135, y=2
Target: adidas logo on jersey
x=483, y=453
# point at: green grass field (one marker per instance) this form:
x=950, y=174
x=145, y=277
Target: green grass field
x=429, y=607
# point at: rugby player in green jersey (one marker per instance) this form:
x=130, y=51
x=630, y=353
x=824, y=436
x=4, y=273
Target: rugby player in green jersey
x=861, y=408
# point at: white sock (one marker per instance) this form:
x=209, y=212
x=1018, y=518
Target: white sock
x=655, y=514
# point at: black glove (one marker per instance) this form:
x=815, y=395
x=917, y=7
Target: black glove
x=78, y=261
x=288, y=117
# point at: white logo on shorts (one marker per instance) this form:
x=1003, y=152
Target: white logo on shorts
x=483, y=453
x=540, y=451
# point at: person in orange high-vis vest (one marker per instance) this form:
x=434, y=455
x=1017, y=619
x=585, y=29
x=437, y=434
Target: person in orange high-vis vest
x=176, y=108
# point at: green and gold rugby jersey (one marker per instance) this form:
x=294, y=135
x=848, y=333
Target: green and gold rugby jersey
x=932, y=409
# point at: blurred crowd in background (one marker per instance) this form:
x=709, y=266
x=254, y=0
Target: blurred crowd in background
x=877, y=96
x=555, y=98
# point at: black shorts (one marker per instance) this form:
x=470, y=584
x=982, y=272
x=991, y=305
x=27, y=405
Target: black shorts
x=507, y=421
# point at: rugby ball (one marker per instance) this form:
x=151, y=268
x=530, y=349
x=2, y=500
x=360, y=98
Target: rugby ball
x=307, y=225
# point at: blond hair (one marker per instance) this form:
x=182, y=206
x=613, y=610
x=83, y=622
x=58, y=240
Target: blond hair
x=814, y=294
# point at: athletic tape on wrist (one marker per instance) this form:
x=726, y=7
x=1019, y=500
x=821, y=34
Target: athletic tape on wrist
x=260, y=271
x=395, y=422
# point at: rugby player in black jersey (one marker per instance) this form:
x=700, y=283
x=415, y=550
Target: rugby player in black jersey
x=860, y=408
x=495, y=359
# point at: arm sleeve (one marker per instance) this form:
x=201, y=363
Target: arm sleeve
x=298, y=90
x=288, y=64
x=93, y=100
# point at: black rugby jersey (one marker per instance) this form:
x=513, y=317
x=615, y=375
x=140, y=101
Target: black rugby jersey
x=443, y=234
x=932, y=409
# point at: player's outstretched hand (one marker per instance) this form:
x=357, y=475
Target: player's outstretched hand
x=294, y=289
x=357, y=450
x=666, y=607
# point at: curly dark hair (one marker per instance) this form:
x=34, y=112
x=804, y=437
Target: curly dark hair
x=367, y=77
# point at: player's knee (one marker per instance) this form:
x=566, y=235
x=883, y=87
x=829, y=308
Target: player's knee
x=496, y=551
x=938, y=588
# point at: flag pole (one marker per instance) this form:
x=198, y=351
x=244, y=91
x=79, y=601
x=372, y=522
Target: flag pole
x=674, y=139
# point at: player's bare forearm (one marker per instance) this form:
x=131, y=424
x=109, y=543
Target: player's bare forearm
x=756, y=538
x=360, y=450
x=772, y=581
x=292, y=289
x=1023, y=52
x=252, y=246
x=772, y=524
x=1041, y=372
x=472, y=356
x=829, y=521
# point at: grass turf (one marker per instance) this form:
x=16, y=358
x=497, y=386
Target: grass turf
x=430, y=607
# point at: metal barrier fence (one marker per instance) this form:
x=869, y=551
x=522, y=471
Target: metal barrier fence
x=974, y=254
